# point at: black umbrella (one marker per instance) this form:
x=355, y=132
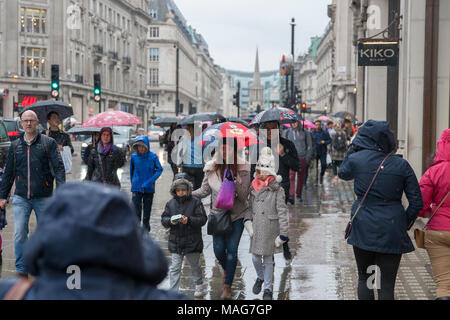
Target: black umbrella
x=237, y=120
x=202, y=117
x=85, y=130
x=166, y=122
x=282, y=115
x=344, y=115
x=43, y=108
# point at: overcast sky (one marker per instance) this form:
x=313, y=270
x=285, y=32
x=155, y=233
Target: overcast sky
x=234, y=28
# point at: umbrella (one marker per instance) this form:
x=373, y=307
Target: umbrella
x=166, y=122
x=237, y=120
x=43, y=108
x=282, y=115
x=85, y=130
x=112, y=118
x=307, y=124
x=324, y=118
x=344, y=115
x=70, y=121
x=201, y=117
x=244, y=136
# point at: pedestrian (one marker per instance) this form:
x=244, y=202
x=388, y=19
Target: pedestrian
x=266, y=221
x=61, y=138
x=33, y=163
x=349, y=129
x=435, y=186
x=303, y=145
x=322, y=140
x=145, y=169
x=93, y=145
x=192, y=156
x=105, y=160
x=286, y=153
x=3, y=221
x=226, y=246
x=88, y=246
x=338, y=149
x=170, y=145
x=379, y=230
x=313, y=156
x=185, y=238
x=330, y=128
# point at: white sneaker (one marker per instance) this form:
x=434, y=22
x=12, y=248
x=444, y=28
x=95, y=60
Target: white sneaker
x=199, y=291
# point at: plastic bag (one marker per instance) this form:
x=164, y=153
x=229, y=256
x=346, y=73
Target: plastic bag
x=66, y=156
x=329, y=162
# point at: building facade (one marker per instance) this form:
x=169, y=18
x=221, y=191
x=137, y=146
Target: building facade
x=180, y=64
x=306, y=77
x=325, y=69
x=83, y=37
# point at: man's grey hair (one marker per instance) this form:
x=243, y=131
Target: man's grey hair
x=29, y=112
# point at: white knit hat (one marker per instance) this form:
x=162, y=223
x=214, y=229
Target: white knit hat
x=266, y=162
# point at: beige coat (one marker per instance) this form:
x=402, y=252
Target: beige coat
x=211, y=186
x=270, y=218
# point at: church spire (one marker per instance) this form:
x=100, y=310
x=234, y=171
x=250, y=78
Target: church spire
x=256, y=75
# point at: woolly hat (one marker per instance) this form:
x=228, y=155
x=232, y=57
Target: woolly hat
x=266, y=162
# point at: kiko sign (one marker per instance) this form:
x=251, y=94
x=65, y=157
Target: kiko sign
x=378, y=54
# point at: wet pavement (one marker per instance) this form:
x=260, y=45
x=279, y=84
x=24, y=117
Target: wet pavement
x=322, y=267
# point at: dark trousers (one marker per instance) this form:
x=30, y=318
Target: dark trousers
x=387, y=265
x=145, y=200
x=323, y=163
x=226, y=249
x=336, y=165
x=196, y=176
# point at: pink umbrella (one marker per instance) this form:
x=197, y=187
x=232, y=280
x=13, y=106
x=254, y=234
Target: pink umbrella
x=324, y=118
x=112, y=118
x=308, y=124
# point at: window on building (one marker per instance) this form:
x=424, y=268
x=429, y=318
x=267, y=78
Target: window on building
x=109, y=15
x=154, y=54
x=33, y=20
x=154, y=13
x=100, y=10
x=154, y=32
x=93, y=5
x=33, y=62
x=154, y=97
x=154, y=77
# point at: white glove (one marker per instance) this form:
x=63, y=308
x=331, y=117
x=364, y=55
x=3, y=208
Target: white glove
x=278, y=242
x=249, y=227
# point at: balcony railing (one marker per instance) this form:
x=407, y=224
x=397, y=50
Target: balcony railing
x=78, y=78
x=98, y=49
x=113, y=55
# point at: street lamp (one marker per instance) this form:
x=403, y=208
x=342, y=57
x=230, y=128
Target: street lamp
x=177, y=98
x=325, y=109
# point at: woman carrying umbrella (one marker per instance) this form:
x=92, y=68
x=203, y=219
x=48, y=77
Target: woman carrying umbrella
x=105, y=160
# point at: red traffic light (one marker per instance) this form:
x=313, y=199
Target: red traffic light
x=303, y=106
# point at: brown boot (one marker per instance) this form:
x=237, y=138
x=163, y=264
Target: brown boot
x=226, y=294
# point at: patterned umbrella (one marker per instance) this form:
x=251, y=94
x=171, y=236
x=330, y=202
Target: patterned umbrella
x=112, y=118
x=282, y=115
x=244, y=136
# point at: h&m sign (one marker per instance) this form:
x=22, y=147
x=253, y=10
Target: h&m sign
x=378, y=54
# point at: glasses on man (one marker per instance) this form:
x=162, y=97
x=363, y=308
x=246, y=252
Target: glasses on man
x=29, y=121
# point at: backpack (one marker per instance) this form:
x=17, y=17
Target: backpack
x=339, y=142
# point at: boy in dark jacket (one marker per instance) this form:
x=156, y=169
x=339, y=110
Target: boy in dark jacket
x=185, y=216
x=145, y=169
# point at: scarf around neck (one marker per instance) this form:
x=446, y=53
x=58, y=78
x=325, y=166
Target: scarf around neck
x=258, y=184
x=104, y=150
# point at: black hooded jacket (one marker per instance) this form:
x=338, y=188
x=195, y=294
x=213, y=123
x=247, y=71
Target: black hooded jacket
x=91, y=226
x=184, y=238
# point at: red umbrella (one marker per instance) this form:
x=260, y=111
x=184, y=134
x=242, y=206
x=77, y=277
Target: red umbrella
x=112, y=118
x=243, y=135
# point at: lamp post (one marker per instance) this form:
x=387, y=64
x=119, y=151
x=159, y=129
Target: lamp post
x=325, y=109
x=293, y=61
x=177, y=98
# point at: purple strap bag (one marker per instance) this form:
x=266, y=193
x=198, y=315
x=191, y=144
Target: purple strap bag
x=225, y=198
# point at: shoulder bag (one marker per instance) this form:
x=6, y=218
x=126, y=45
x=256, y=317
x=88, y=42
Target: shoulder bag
x=349, y=225
x=419, y=235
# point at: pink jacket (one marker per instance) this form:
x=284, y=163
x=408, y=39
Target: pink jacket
x=435, y=184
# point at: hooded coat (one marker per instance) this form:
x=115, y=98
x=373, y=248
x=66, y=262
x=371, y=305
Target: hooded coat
x=184, y=238
x=212, y=183
x=110, y=163
x=381, y=224
x=144, y=169
x=270, y=218
x=435, y=184
x=117, y=259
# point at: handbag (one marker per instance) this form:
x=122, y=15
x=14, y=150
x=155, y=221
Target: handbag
x=225, y=198
x=348, y=229
x=219, y=224
x=419, y=235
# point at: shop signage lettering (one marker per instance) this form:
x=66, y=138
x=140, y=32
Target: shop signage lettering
x=377, y=54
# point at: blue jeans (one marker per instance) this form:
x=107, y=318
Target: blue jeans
x=138, y=199
x=22, y=212
x=226, y=249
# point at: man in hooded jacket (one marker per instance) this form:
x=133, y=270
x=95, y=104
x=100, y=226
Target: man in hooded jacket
x=91, y=251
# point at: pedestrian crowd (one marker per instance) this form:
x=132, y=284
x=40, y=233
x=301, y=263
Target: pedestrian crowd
x=88, y=224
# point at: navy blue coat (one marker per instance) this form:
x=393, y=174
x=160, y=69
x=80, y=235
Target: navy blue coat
x=381, y=224
x=321, y=149
x=92, y=226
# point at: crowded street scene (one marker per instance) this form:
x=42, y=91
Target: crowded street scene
x=140, y=162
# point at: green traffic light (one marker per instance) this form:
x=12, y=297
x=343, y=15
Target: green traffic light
x=97, y=91
x=54, y=85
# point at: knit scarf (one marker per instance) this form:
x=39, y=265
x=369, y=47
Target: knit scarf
x=258, y=184
x=103, y=150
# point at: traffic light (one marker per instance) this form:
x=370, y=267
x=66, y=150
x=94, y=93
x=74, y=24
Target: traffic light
x=55, y=80
x=234, y=99
x=304, y=108
x=298, y=96
x=15, y=106
x=97, y=87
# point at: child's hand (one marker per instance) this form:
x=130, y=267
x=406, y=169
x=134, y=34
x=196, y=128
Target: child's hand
x=185, y=220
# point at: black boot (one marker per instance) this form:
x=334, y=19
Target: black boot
x=321, y=179
x=1, y=260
